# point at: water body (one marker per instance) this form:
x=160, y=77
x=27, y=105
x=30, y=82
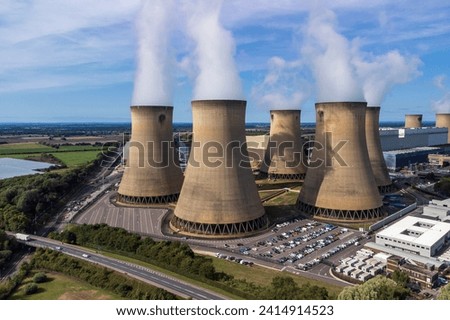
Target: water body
x=10, y=168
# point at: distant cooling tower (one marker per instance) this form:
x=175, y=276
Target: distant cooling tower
x=219, y=195
x=413, y=121
x=443, y=121
x=339, y=183
x=379, y=168
x=284, y=154
x=152, y=175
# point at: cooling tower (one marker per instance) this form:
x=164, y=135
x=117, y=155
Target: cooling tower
x=219, y=195
x=284, y=154
x=339, y=183
x=413, y=121
x=443, y=121
x=376, y=158
x=152, y=175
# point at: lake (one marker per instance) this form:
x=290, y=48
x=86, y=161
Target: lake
x=16, y=167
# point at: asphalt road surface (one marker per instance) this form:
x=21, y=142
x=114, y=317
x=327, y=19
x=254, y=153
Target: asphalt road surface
x=160, y=280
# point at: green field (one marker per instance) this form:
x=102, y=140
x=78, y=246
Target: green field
x=61, y=287
x=71, y=156
x=19, y=148
x=72, y=159
x=263, y=276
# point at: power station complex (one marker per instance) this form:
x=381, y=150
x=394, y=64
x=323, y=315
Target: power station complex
x=343, y=177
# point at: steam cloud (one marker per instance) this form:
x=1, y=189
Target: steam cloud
x=343, y=72
x=218, y=77
x=329, y=54
x=282, y=87
x=153, y=80
x=380, y=73
x=442, y=105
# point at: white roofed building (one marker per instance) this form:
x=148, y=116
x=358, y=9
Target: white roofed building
x=416, y=235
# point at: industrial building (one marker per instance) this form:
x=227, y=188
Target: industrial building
x=439, y=160
x=423, y=237
x=363, y=266
x=151, y=175
x=438, y=210
x=283, y=157
x=424, y=275
x=413, y=121
x=340, y=186
x=400, y=138
x=376, y=158
x=219, y=197
x=402, y=158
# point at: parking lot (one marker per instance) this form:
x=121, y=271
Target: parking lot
x=300, y=244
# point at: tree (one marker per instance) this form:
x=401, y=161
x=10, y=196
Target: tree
x=378, y=288
x=400, y=277
x=445, y=293
x=283, y=288
x=40, y=277
x=31, y=288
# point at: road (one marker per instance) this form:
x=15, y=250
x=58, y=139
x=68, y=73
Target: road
x=147, y=275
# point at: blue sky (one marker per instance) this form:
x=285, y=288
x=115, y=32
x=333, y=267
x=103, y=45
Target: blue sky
x=75, y=60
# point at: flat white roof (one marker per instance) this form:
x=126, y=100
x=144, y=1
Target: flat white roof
x=427, y=236
x=442, y=203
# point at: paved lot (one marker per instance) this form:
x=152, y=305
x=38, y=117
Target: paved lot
x=139, y=220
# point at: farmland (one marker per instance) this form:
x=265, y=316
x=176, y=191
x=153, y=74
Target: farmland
x=70, y=155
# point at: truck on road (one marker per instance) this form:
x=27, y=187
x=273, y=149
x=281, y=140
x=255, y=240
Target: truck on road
x=22, y=236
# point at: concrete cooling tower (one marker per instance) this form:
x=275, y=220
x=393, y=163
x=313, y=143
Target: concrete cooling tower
x=413, y=121
x=284, y=154
x=376, y=158
x=339, y=183
x=219, y=197
x=443, y=121
x=152, y=175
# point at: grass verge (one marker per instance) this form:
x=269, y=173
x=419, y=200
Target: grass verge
x=263, y=276
x=62, y=287
x=172, y=274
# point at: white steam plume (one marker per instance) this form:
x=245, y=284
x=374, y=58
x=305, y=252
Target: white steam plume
x=442, y=105
x=153, y=80
x=282, y=87
x=330, y=56
x=379, y=74
x=218, y=76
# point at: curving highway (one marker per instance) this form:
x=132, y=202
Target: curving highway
x=147, y=275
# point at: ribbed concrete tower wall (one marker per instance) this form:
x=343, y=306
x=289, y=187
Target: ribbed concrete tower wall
x=339, y=183
x=443, y=121
x=219, y=195
x=284, y=155
x=379, y=168
x=413, y=121
x=152, y=174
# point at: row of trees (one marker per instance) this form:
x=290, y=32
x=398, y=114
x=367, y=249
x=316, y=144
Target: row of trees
x=378, y=288
x=179, y=258
x=174, y=256
x=32, y=199
x=98, y=276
